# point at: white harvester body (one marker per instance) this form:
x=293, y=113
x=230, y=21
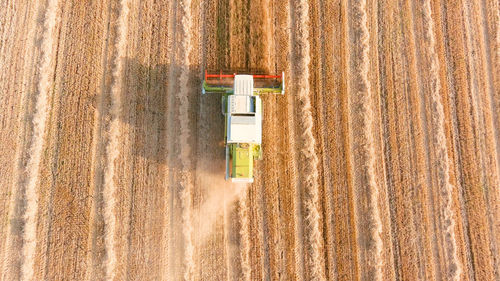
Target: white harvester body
x=242, y=110
x=244, y=113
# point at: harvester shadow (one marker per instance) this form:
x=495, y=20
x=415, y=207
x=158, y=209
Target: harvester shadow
x=151, y=116
x=144, y=111
x=150, y=121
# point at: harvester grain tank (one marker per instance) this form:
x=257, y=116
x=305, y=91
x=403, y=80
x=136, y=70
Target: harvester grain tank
x=242, y=110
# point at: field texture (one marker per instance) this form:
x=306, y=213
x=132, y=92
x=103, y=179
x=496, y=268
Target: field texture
x=381, y=162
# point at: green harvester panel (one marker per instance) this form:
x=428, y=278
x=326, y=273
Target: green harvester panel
x=242, y=161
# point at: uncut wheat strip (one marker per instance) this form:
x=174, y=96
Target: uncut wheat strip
x=362, y=100
x=309, y=162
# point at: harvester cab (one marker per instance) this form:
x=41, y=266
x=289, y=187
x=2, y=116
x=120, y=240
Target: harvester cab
x=242, y=110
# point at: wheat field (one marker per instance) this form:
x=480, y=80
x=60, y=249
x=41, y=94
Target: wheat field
x=381, y=161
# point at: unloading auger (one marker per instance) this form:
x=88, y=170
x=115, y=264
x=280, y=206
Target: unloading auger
x=242, y=110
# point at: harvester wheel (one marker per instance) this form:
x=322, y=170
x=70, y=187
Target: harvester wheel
x=257, y=152
x=223, y=109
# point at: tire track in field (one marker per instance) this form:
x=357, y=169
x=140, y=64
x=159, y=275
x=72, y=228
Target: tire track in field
x=296, y=248
x=32, y=168
x=244, y=214
x=186, y=181
x=324, y=80
x=167, y=237
x=439, y=140
x=112, y=147
x=300, y=73
x=363, y=104
x=94, y=260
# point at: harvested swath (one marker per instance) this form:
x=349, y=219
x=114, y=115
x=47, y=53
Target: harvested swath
x=12, y=243
x=309, y=160
x=112, y=148
x=35, y=151
x=364, y=144
x=439, y=140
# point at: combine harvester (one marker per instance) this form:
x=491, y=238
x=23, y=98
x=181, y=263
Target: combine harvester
x=242, y=110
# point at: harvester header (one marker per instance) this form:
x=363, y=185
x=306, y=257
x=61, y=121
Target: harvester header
x=242, y=110
x=220, y=75
x=264, y=84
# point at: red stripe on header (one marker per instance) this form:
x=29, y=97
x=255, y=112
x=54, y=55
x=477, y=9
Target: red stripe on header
x=232, y=76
